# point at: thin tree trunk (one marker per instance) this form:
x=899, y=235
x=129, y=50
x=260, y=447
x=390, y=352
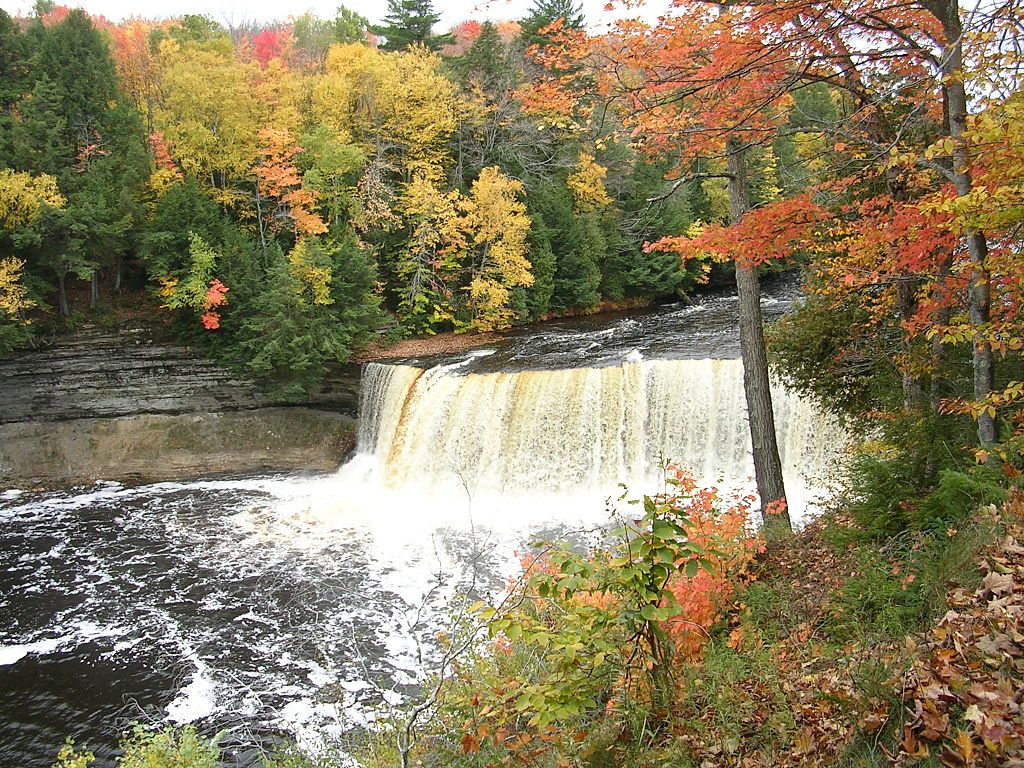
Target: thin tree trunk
x=62, y=294
x=906, y=300
x=978, y=295
x=756, y=384
x=94, y=289
x=118, y=269
x=262, y=224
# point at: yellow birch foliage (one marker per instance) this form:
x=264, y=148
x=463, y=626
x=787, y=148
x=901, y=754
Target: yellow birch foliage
x=436, y=247
x=587, y=183
x=350, y=71
x=13, y=294
x=208, y=115
x=282, y=93
x=317, y=279
x=498, y=224
x=391, y=101
x=22, y=197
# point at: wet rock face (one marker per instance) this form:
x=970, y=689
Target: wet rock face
x=96, y=374
x=159, y=447
x=115, y=406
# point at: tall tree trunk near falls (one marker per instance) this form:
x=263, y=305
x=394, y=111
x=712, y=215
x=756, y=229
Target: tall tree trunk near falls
x=756, y=384
x=979, y=290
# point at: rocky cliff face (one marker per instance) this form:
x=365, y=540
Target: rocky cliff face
x=116, y=406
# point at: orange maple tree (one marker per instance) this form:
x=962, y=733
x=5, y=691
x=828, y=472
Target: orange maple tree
x=281, y=199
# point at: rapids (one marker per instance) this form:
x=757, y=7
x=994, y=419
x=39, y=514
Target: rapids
x=306, y=605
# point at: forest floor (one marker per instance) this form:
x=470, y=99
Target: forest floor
x=844, y=652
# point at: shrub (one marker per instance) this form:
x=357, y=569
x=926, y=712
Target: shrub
x=171, y=747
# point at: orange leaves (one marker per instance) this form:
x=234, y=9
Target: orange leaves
x=278, y=178
x=774, y=231
x=215, y=297
x=729, y=547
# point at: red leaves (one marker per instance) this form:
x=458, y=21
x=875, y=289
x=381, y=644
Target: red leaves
x=161, y=155
x=215, y=297
x=774, y=231
x=271, y=44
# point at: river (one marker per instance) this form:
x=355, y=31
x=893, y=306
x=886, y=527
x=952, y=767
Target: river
x=306, y=604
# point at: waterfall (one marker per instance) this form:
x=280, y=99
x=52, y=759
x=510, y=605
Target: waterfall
x=563, y=430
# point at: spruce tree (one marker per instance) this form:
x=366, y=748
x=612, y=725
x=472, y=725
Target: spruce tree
x=411, y=22
x=75, y=57
x=38, y=139
x=486, y=61
x=546, y=12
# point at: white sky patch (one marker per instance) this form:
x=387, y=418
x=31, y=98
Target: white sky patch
x=236, y=12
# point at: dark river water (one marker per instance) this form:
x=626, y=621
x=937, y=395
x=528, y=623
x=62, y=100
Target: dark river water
x=302, y=605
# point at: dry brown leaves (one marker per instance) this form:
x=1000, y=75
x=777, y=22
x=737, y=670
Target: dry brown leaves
x=962, y=697
x=966, y=688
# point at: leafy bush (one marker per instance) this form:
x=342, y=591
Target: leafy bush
x=957, y=494
x=170, y=747
x=594, y=641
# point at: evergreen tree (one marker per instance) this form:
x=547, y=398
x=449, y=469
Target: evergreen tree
x=76, y=59
x=486, y=63
x=546, y=12
x=181, y=210
x=37, y=139
x=411, y=22
x=288, y=336
x=14, y=63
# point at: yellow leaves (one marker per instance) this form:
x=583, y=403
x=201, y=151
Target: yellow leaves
x=168, y=286
x=498, y=225
x=13, y=294
x=587, y=183
x=208, y=115
x=941, y=148
x=475, y=242
x=335, y=94
x=22, y=197
x=317, y=278
x=420, y=109
x=391, y=98
x=435, y=216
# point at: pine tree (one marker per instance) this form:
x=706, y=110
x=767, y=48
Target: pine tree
x=75, y=57
x=410, y=22
x=545, y=13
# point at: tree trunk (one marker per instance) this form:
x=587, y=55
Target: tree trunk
x=118, y=270
x=94, y=289
x=756, y=385
x=906, y=300
x=978, y=295
x=62, y=294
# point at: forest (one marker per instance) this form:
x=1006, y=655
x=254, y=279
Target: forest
x=281, y=195
x=285, y=193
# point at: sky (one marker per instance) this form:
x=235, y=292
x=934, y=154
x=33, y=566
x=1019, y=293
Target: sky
x=237, y=11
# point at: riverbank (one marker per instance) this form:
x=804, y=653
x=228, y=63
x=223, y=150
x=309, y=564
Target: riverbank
x=161, y=447
x=107, y=405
